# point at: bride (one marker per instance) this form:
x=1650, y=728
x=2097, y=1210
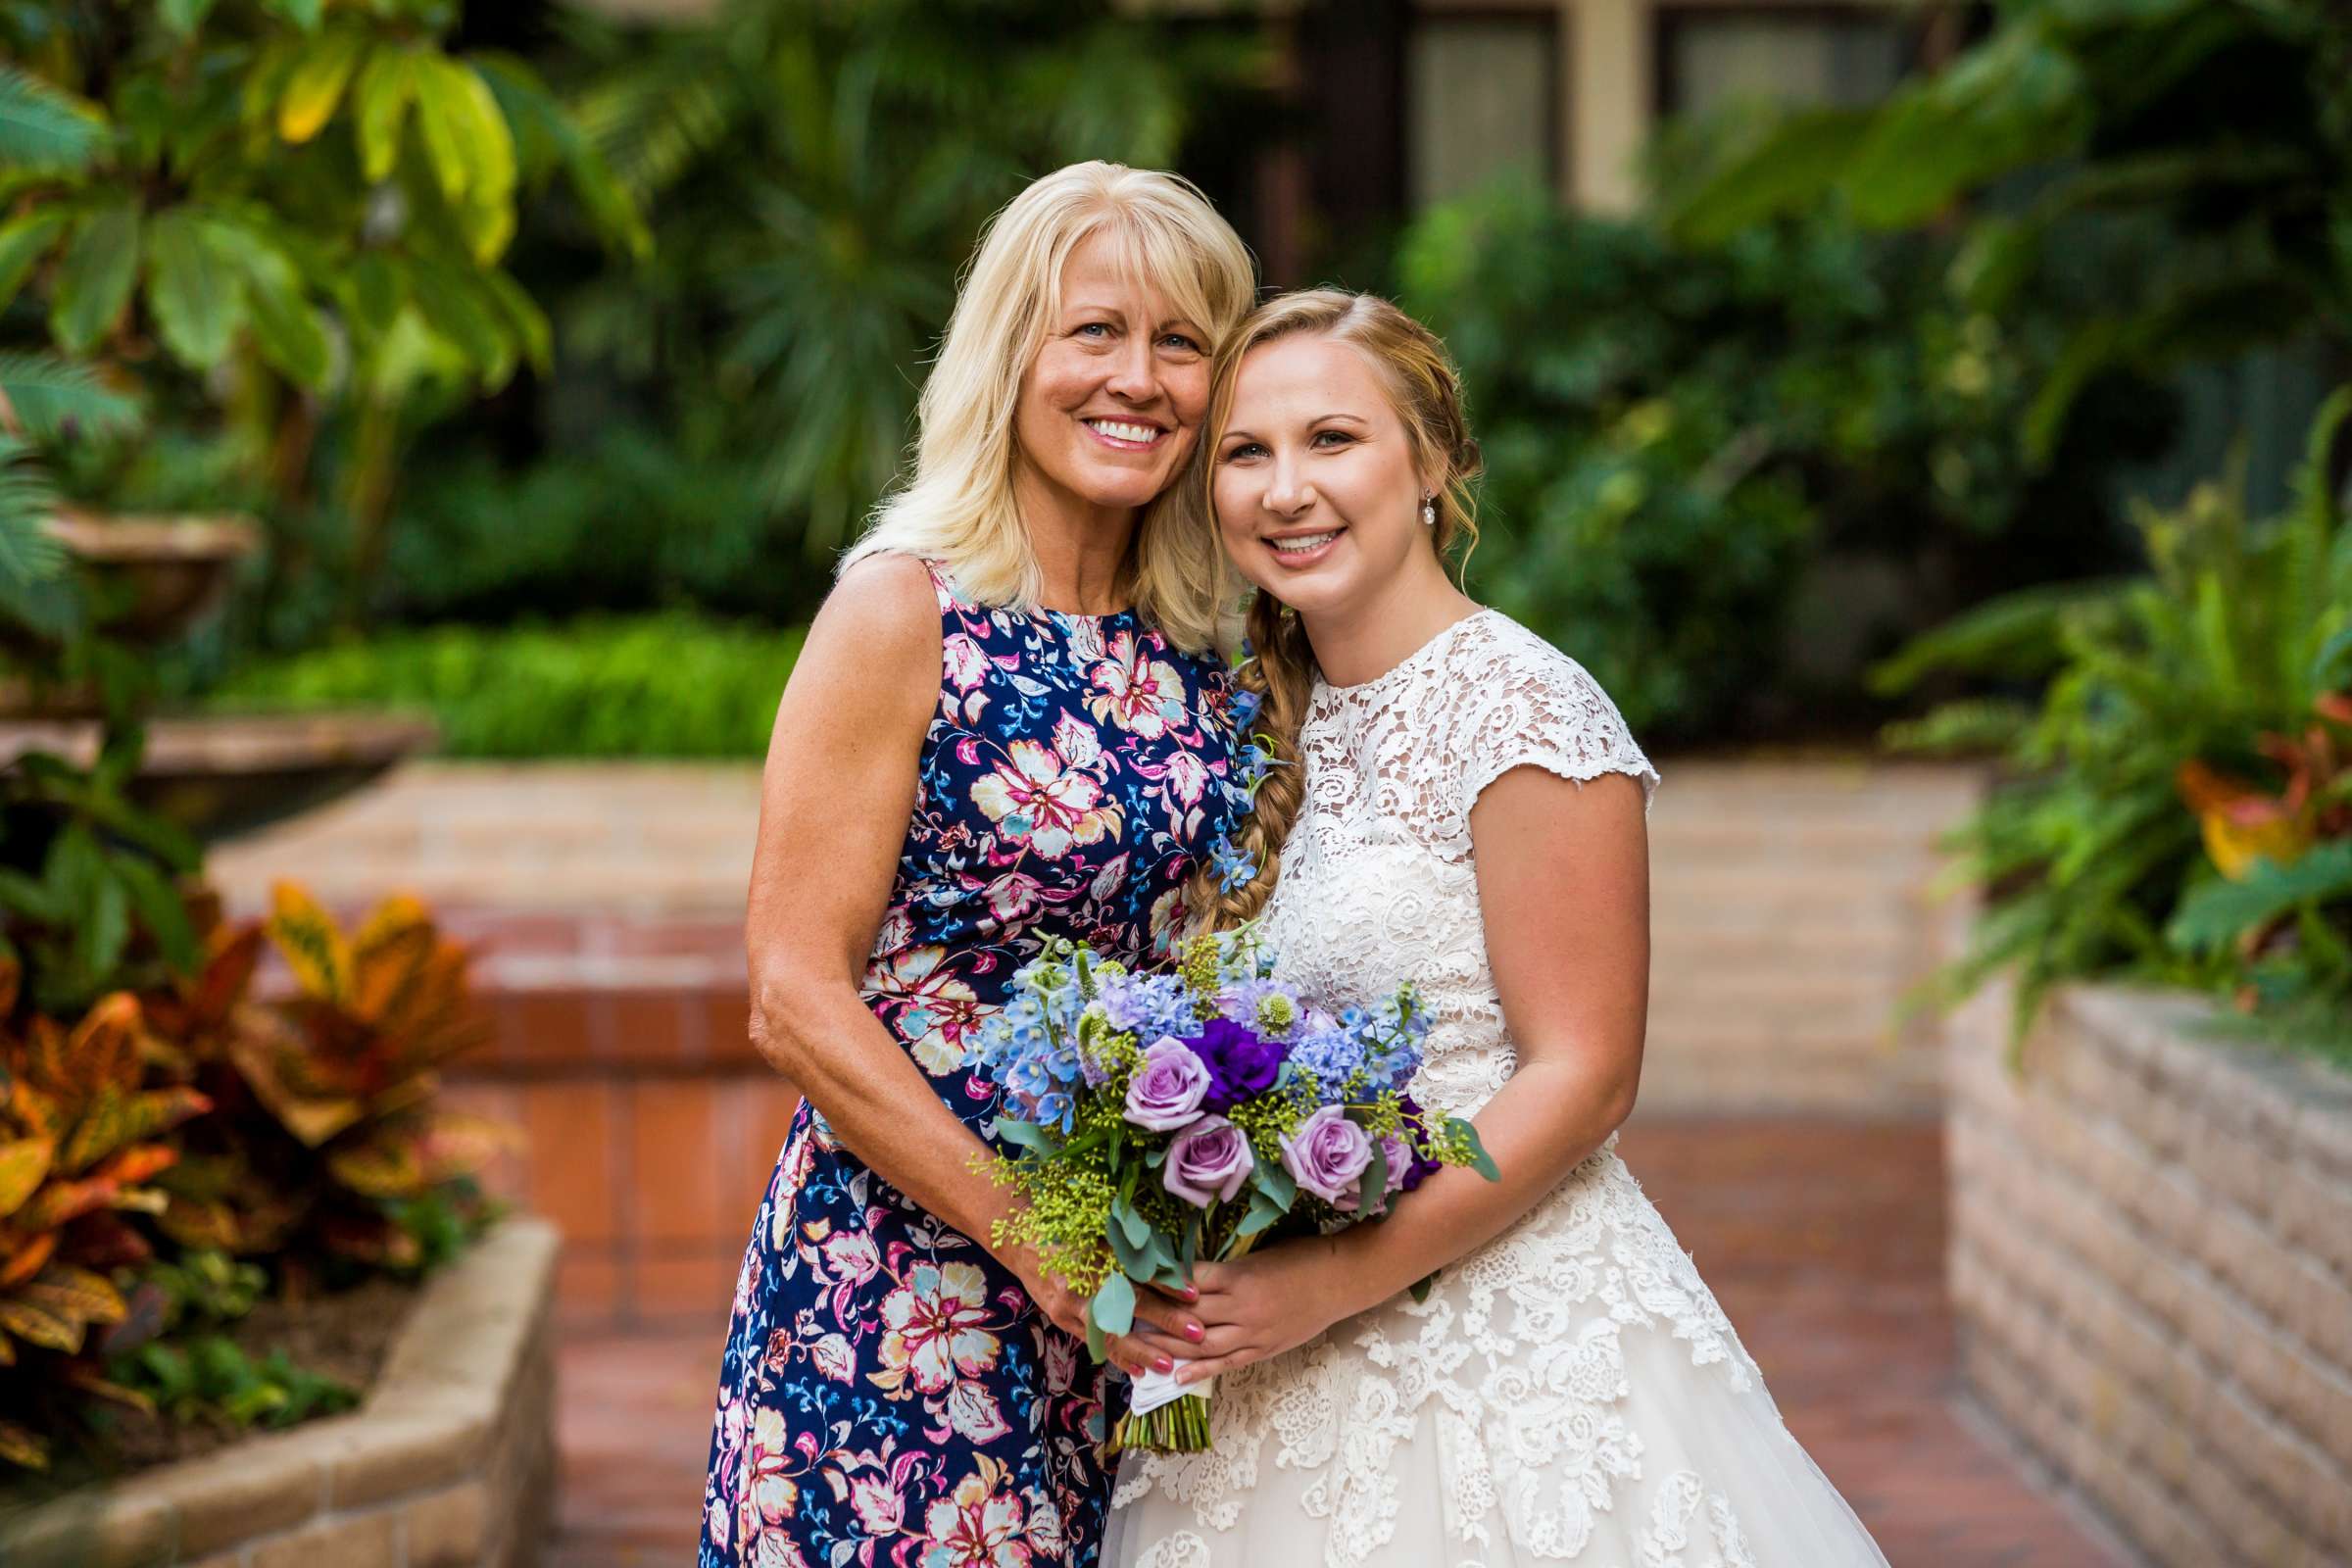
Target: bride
x=1456, y=804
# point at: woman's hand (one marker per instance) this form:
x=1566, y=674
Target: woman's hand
x=1267, y=1302
x=1166, y=1327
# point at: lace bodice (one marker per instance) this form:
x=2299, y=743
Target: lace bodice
x=1378, y=885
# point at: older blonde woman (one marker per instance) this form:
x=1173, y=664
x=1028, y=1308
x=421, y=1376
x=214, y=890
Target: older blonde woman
x=1007, y=723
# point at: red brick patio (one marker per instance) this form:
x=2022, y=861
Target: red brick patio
x=1824, y=1239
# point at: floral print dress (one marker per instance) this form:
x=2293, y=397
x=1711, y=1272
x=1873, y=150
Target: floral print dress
x=889, y=1394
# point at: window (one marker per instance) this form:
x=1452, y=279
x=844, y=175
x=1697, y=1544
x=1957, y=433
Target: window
x=1483, y=94
x=1813, y=54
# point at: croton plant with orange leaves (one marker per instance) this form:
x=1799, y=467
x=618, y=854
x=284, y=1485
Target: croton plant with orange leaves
x=82, y=1140
x=325, y=1120
x=299, y=1128
x=2242, y=823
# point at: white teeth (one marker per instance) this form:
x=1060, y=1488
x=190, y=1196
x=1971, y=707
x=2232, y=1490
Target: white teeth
x=1305, y=542
x=1120, y=431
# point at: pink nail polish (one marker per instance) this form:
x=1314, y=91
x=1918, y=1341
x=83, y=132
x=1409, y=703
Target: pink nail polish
x=1163, y=1366
x=1195, y=1333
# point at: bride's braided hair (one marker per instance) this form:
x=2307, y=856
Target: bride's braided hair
x=1425, y=391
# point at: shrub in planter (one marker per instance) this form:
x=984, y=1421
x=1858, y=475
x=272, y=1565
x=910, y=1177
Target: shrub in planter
x=80, y=1146
x=170, y=1129
x=2178, y=808
x=325, y=1150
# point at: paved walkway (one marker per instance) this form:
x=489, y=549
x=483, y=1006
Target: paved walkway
x=1823, y=1240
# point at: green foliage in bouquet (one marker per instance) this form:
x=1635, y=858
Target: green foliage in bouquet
x=665, y=685
x=1674, y=435
x=2179, y=804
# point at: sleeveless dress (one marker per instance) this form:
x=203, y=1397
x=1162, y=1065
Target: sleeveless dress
x=889, y=1394
x=1568, y=1393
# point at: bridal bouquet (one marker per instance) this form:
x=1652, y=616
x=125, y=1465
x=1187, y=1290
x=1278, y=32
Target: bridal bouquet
x=1161, y=1118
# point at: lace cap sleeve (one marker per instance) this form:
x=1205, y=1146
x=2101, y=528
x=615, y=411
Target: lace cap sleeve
x=1530, y=705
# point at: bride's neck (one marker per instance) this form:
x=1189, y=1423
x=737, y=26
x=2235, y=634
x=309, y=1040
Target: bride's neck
x=1366, y=638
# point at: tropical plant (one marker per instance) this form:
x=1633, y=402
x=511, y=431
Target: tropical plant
x=80, y=1144
x=328, y=1151
x=2178, y=809
x=2222, y=133
x=1674, y=436
x=309, y=202
x=45, y=402
x=211, y=1378
x=817, y=174
x=668, y=685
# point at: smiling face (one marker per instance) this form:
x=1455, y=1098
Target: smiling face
x=1110, y=407
x=1318, y=500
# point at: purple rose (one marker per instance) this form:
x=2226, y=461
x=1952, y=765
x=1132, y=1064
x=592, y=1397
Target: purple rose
x=1241, y=1063
x=1416, y=1169
x=1208, y=1161
x=1328, y=1154
x=1167, y=1089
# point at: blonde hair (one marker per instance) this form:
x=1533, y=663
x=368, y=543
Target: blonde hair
x=958, y=505
x=1425, y=391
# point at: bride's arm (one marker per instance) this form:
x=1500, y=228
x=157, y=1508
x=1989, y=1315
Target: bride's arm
x=1563, y=886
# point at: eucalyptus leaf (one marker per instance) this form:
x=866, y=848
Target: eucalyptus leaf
x=1113, y=1307
x=1480, y=1161
x=1276, y=1182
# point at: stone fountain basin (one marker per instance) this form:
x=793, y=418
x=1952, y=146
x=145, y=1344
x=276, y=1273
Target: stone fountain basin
x=156, y=575
x=221, y=775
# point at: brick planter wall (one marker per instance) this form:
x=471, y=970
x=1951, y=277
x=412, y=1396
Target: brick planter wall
x=2151, y=1265
x=449, y=1463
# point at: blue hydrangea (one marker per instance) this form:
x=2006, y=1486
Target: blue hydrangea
x=1148, y=1005
x=1328, y=1050
x=1243, y=708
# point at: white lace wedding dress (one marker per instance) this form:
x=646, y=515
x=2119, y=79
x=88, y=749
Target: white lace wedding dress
x=1569, y=1392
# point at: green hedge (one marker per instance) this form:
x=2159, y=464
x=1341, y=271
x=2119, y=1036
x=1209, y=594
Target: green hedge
x=665, y=685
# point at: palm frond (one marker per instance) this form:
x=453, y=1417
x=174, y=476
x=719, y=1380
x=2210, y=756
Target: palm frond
x=43, y=126
x=31, y=562
x=55, y=400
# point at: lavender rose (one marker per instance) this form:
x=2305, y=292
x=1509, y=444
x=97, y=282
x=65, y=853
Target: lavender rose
x=1166, y=1090
x=1328, y=1154
x=1208, y=1160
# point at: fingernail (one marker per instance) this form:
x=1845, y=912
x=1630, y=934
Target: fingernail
x=1163, y=1366
x=1195, y=1333
x=1190, y=1295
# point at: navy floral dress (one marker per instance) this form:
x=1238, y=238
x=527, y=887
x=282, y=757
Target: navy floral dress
x=889, y=1394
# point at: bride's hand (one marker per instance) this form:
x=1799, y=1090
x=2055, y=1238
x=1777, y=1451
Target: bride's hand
x=1167, y=1328
x=1263, y=1304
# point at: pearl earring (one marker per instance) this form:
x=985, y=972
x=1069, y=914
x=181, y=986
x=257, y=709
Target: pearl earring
x=1429, y=512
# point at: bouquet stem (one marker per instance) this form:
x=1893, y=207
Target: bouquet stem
x=1180, y=1427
